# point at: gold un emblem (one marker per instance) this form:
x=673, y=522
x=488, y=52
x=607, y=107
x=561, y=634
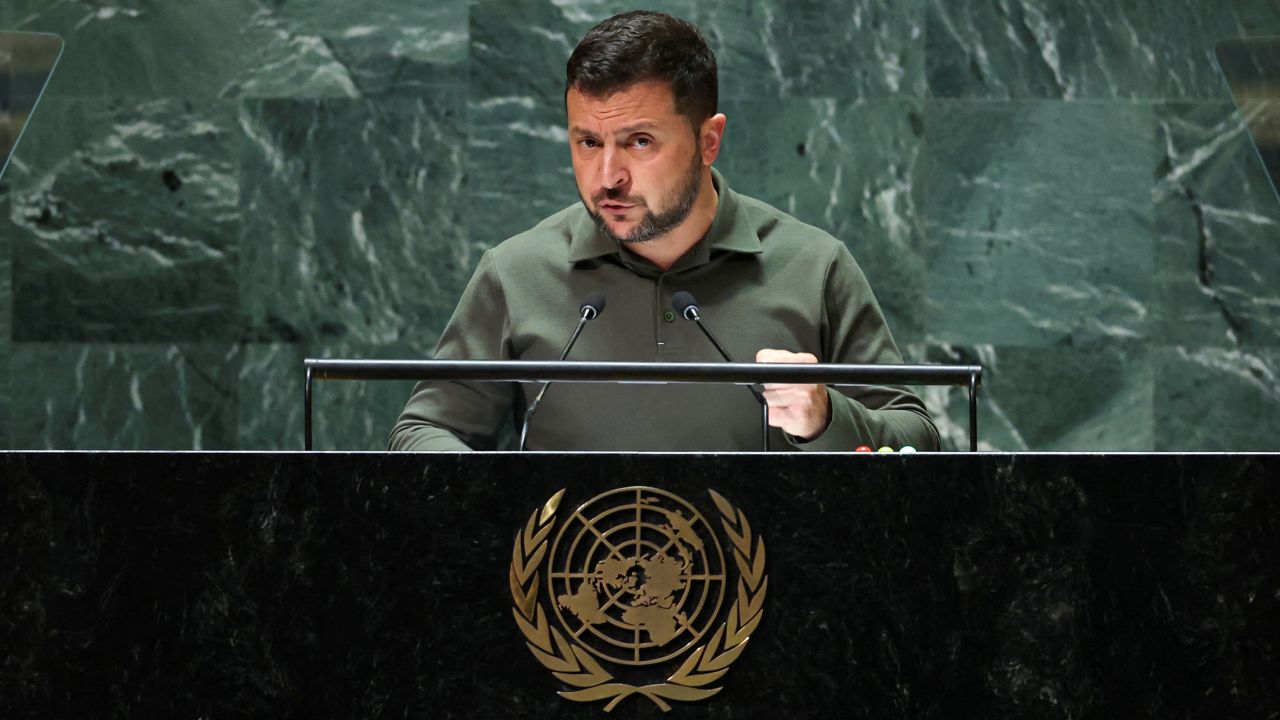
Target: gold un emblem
x=631, y=589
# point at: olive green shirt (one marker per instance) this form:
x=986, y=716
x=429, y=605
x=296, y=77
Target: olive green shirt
x=762, y=279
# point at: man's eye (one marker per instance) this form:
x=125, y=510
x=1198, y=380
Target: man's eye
x=588, y=143
x=642, y=142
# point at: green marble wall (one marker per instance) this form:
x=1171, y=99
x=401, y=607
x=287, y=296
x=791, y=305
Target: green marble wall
x=213, y=190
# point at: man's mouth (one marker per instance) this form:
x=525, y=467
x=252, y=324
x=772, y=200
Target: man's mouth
x=615, y=206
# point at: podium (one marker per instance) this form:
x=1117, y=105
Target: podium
x=381, y=585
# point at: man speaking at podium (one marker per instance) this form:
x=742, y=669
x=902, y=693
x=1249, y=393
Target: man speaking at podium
x=657, y=224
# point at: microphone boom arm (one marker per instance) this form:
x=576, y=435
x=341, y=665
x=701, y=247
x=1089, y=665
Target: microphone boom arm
x=590, y=310
x=690, y=312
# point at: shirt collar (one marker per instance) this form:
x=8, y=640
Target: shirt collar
x=730, y=231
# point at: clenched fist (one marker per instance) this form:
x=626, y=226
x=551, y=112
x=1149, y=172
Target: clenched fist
x=801, y=410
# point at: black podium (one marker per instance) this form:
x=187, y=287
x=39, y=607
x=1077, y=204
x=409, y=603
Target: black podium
x=296, y=585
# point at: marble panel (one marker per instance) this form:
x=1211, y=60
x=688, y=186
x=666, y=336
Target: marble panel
x=126, y=222
x=1096, y=398
x=1186, y=32
x=346, y=415
x=519, y=47
x=358, y=415
x=1038, y=219
x=6, y=309
x=270, y=390
x=324, y=48
x=1217, y=399
x=817, y=48
x=518, y=166
x=205, y=48
x=1024, y=49
x=142, y=49
x=115, y=397
x=353, y=219
x=1218, y=231
x=1076, y=50
x=848, y=168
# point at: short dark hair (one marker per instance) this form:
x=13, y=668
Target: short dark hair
x=641, y=46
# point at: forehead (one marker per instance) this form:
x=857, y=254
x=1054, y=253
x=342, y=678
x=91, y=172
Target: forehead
x=648, y=102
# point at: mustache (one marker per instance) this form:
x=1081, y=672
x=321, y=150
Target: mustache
x=615, y=196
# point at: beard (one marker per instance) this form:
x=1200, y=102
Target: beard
x=679, y=203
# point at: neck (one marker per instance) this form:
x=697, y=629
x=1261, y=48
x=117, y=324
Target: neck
x=666, y=250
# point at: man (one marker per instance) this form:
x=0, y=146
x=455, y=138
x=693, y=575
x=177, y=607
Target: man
x=655, y=219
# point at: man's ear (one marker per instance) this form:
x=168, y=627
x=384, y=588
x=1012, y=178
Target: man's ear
x=710, y=135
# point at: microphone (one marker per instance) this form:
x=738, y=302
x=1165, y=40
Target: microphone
x=684, y=304
x=590, y=308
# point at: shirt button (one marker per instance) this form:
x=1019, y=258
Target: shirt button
x=669, y=316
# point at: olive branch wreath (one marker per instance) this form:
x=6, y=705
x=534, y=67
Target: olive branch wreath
x=573, y=665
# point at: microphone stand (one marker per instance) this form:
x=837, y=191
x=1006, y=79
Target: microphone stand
x=588, y=313
x=691, y=313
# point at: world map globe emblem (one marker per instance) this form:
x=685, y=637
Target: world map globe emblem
x=637, y=576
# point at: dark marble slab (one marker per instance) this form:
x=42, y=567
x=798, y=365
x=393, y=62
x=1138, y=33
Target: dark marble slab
x=270, y=381
x=986, y=48
x=124, y=397
x=126, y=220
x=330, y=48
x=1093, y=397
x=811, y=48
x=519, y=48
x=518, y=168
x=6, y=311
x=249, y=48
x=353, y=219
x=345, y=415
x=1052, y=247
x=943, y=586
x=138, y=49
x=1217, y=398
x=1187, y=31
x=1218, y=228
x=1071, y=49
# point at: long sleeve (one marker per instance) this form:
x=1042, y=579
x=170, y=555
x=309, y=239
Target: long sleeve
x=854, y=331
x=461, y=416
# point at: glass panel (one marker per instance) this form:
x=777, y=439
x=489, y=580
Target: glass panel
x=26, y=62
x=1252, y=69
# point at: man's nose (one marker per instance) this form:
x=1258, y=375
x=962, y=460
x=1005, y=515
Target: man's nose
x=613, y=169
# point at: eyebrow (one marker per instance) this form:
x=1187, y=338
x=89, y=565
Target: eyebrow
x=638, y=127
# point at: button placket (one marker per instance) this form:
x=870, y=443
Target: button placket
x=660, y=330
x=671, y=338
